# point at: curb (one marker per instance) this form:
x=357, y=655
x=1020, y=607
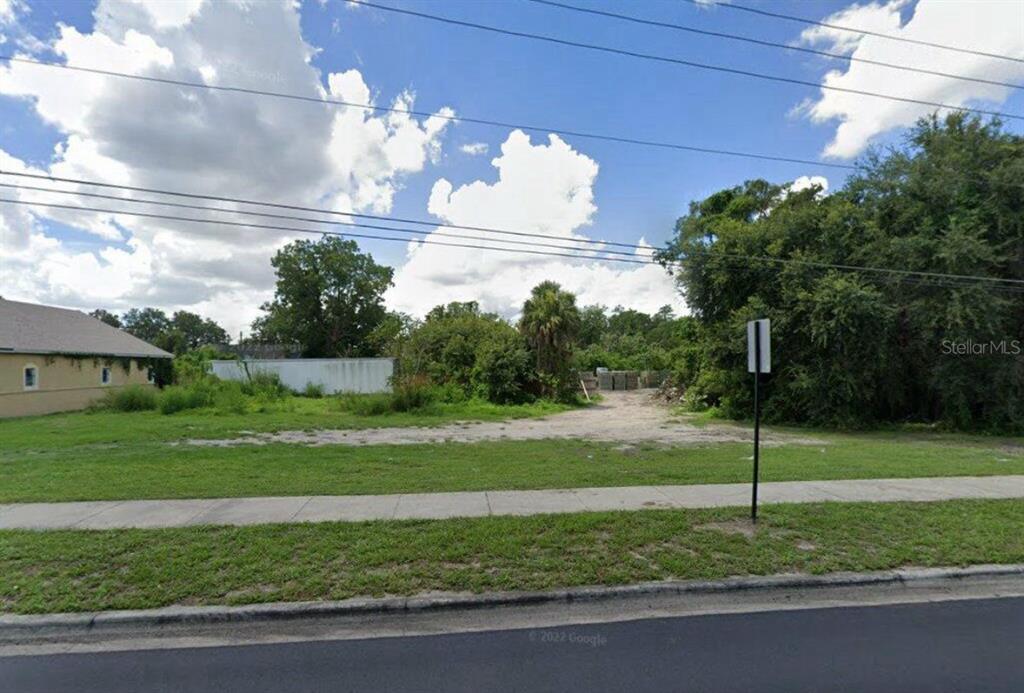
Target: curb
x=281, y=611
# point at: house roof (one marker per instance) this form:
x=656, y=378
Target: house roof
x=29, y=328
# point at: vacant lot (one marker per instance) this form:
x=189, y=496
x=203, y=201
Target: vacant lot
x=122, y=467
x=123, y=569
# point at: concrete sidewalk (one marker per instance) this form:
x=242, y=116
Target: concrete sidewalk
x=249, y=511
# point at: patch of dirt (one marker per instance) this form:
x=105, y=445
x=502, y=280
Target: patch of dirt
x=804, y=545
x=625, y=417
x=744, y=527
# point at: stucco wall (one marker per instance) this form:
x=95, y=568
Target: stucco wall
x=63, y=383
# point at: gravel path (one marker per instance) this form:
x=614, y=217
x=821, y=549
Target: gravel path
x=627, y=417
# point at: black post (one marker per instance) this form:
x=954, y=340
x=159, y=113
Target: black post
x=757, y=416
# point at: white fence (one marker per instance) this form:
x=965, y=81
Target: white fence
x=333, y=375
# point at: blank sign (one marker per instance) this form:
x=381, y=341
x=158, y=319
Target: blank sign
x=765, y=330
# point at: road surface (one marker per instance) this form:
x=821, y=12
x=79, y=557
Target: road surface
x=969, y=645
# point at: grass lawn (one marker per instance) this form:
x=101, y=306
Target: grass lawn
x=126, y=569
x=53, y=471
x=291, y=414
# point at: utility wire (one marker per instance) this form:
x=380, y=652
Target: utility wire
x=863, y=32
x=565, y=132
x=680, y=61
x=772, y=44
x=332, y=222
x=298, y=208
x=937, y=278
x=217, y=222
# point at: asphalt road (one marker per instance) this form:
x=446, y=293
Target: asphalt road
x=975, y=645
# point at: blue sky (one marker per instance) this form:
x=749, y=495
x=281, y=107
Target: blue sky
x=638, y=192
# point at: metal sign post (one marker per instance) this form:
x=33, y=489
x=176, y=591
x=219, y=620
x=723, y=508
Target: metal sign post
x=759, y=360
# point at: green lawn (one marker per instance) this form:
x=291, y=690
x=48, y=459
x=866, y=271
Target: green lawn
x=113, y=471
x=127, y=569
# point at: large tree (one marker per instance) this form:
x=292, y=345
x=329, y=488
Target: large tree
x=328, y=299
x=105, y=316
x=861, y=347
x=188, y=331
x=148, y=324
x=551, y=324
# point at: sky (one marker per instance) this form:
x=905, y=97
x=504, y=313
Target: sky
x=316, y=154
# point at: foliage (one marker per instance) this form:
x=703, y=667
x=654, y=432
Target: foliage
x=130, y=398
x=503, y=371
x=194, y=365
x=328, y=299
x=861, y=348
x=456, y=347
x=551, y=324
x=408, y=395
x=178, y=398
x=183, y=332
x=106, y=317
x=313, y=390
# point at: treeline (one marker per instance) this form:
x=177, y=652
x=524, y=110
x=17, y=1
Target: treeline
x=859, y=348
x=179, y=333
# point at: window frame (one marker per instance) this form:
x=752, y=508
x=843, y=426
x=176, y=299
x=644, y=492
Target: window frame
x=35, y=377
x=106, y=376
x=151, y=375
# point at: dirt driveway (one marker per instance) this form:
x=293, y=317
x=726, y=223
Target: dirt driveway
x=627, y=417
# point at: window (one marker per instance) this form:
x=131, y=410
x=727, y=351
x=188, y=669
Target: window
x=150, y=375
x=31, y=381
x=105, y=376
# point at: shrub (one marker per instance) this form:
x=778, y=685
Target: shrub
x=503, y=370
x=365, y=405
x=313, y=391
x=265, y=386
x=179, y=398
x=130, y=398
x=229, y=398
x=410, y=394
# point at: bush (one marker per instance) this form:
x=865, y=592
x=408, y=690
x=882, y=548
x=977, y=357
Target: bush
x=229, y=398
x=179, y=398
x=365, y=405
x=265, y=386
x=131, y=398
x=412, y=393
x=313, y=391
x=503, y=370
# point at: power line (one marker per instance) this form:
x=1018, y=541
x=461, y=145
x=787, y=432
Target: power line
x=196, y=220
x=933, y=278
x=680, y=61
x=565, y=132
x=804, y=20
x=331, y=222
x=299, y=208
x=772, y=44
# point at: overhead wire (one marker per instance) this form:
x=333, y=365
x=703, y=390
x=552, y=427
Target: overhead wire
x=737, y=7
x=771, y=44
x=680, y=61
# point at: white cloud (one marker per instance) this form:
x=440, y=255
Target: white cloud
x=163, y=137
x=474, y=148
x=805, y=182
x=990, y=25
x=542, y=188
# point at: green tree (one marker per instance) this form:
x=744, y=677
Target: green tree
x=188, y=331
x=857, y=347
x=551, y=323
x=148, y=324
x=107, y=317
x=328, y=299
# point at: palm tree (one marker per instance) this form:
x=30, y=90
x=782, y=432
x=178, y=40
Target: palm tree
x=550, y=324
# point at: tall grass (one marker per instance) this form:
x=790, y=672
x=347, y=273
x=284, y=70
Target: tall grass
x=131, y=398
